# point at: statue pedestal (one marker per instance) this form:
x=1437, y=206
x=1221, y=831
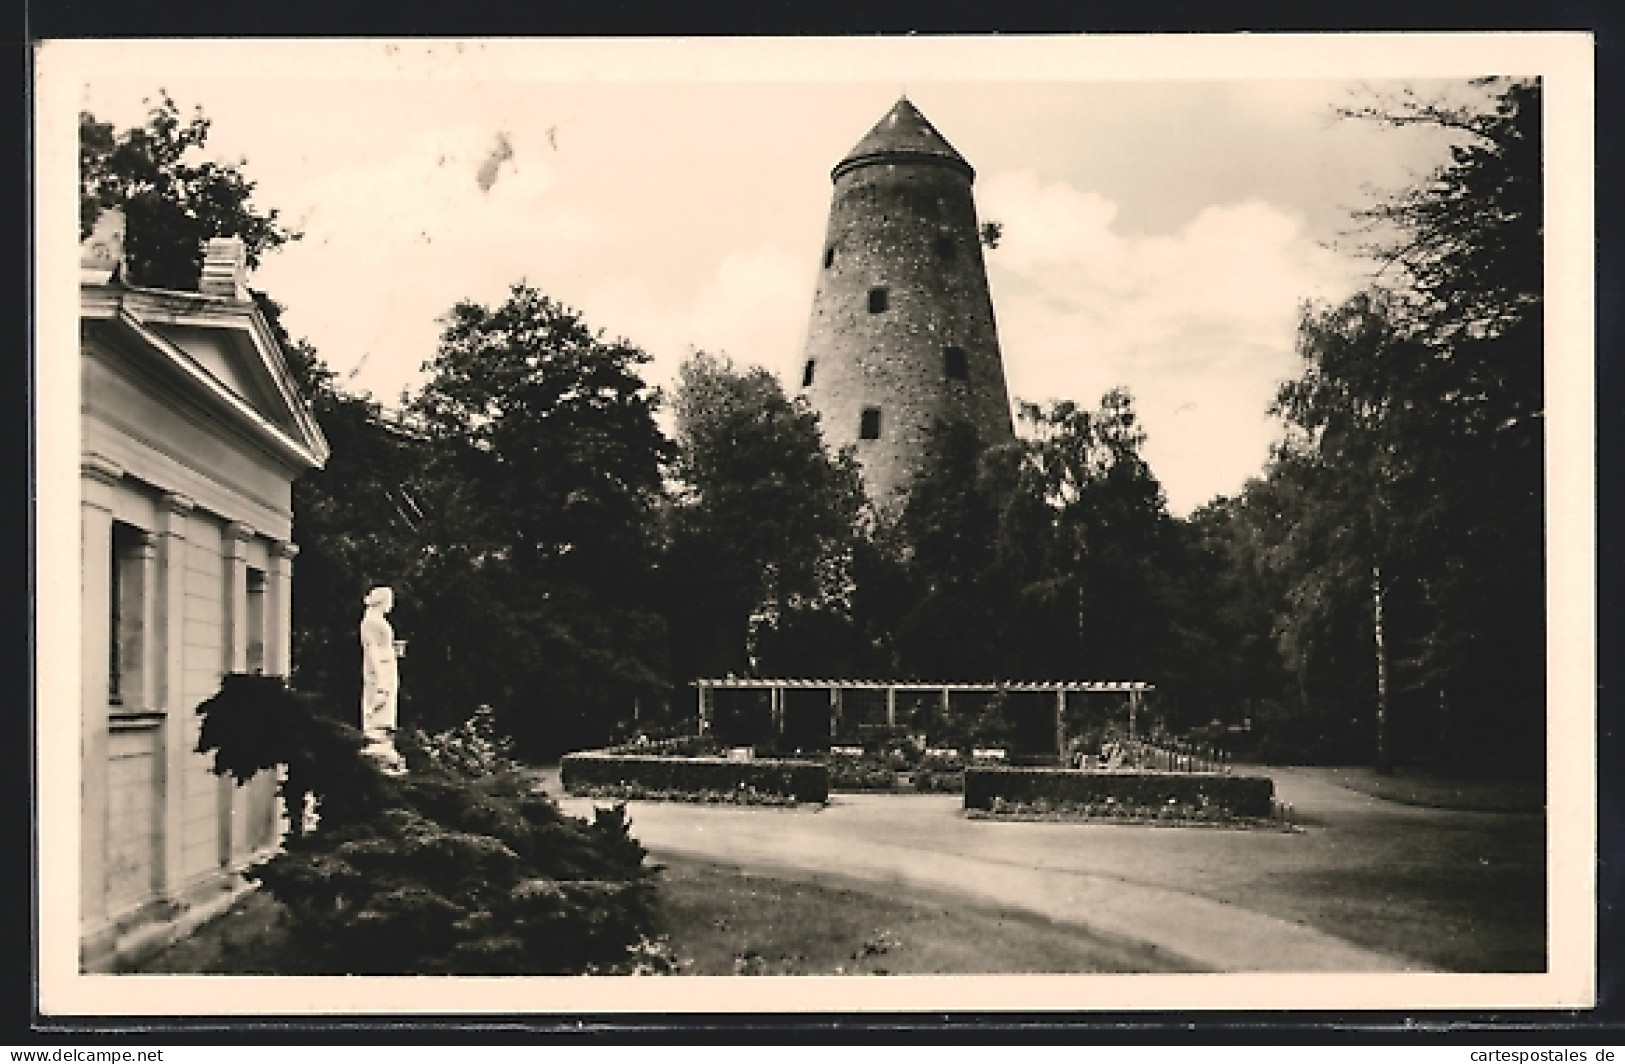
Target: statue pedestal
x=382, y=750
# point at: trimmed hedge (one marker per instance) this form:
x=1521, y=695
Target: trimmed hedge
x=1243, y=796
x=805, y=781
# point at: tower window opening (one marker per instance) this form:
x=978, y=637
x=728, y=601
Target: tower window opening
x=829, y=256
x=945, y=247
x=954, y=364
x=869, y=424
x=877, y=300
x=807, y=374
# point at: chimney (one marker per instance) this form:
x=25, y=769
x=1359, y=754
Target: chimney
x=101, y=254
x=225, y=268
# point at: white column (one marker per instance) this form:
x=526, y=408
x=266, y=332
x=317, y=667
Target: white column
x=279, y=652
x=891, y=707
x=170, y=602
x=98, y=476
x=234, y=551
x=279, y=628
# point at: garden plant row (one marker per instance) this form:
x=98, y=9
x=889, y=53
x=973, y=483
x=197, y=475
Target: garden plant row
x=759, y=781
x=1203, y=796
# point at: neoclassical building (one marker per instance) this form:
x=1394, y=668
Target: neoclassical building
x=192, y=432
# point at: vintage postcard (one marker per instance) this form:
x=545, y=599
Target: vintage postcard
x=960, y=523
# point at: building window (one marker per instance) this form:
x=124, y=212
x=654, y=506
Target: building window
x=954, y=365
x=256, y=621
x=869, y=425
x=124, y=615
x=945, y=246
x=829, y=256
x=807, y=374
x=115, y=621
x=877, y=300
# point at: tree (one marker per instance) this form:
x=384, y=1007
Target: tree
x=1052, y=556
x=173, y=203
x=544, y=473
x=1415, y=442
x=1104, y=606
x=762, y=531
x=361, y=523
x=354, y=516
x=949, y=529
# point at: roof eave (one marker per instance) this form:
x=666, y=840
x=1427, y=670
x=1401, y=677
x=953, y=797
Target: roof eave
x=114, y=306
x=902, y=158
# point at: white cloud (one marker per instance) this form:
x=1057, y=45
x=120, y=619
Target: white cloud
x=1199, y=325
x=391, y=245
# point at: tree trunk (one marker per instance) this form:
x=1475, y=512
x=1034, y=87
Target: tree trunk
x=1385, y=762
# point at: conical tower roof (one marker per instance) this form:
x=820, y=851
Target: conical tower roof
x=903, y=136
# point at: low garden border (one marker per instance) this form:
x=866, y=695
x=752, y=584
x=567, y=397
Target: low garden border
x=1238, y=796
x=656, y=776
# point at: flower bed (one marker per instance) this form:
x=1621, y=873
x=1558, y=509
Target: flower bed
x=900, y=769
x=801, y=781
x=670, y=746
x=1173, y=814
x=1235, y=796
x=741, y=795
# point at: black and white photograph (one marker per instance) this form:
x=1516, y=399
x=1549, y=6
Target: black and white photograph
x=783, y=524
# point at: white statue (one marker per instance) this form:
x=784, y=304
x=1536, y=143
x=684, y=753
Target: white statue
x=380, y=678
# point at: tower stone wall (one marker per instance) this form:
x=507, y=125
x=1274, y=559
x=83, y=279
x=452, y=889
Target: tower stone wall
x=902, y=332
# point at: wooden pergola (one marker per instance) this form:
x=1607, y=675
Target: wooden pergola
x=777, y=686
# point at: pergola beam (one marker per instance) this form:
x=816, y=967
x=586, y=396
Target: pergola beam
x=706, y=690
x=768, y=684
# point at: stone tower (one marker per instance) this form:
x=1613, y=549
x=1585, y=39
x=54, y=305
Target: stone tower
x=902, y=331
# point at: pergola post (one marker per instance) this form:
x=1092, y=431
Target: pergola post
x=704, y=699
x=1133, y=712
x=1060, y=723
x=777, y=704
x=835, y=712
x=891, y=706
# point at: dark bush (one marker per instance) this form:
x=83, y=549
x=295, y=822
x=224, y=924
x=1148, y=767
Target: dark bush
x=472, y=748
x=460, y=876
x=806, y=781
x=256, y=723
x=445, y=870
x=1242, y=796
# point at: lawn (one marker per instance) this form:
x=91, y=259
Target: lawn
x=1475, y=793
x=725, y=921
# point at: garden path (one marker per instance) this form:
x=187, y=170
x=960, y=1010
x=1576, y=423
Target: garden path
x=1368, y=885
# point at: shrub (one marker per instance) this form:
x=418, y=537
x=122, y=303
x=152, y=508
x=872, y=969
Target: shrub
x=866, y=772
x=256, y=723
x=671, y=746
x=939, y=781
x=473, y=748
x=805, y=781
x=466, y=876
x=878, y=771
x=1243, y=796
x=443, y=870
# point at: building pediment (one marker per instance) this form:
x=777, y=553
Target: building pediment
x=217, y=350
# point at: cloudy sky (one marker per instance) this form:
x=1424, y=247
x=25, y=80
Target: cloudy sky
x=1160, y=229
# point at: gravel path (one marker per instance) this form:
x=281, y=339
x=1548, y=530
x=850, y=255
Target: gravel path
x=1225, y=900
